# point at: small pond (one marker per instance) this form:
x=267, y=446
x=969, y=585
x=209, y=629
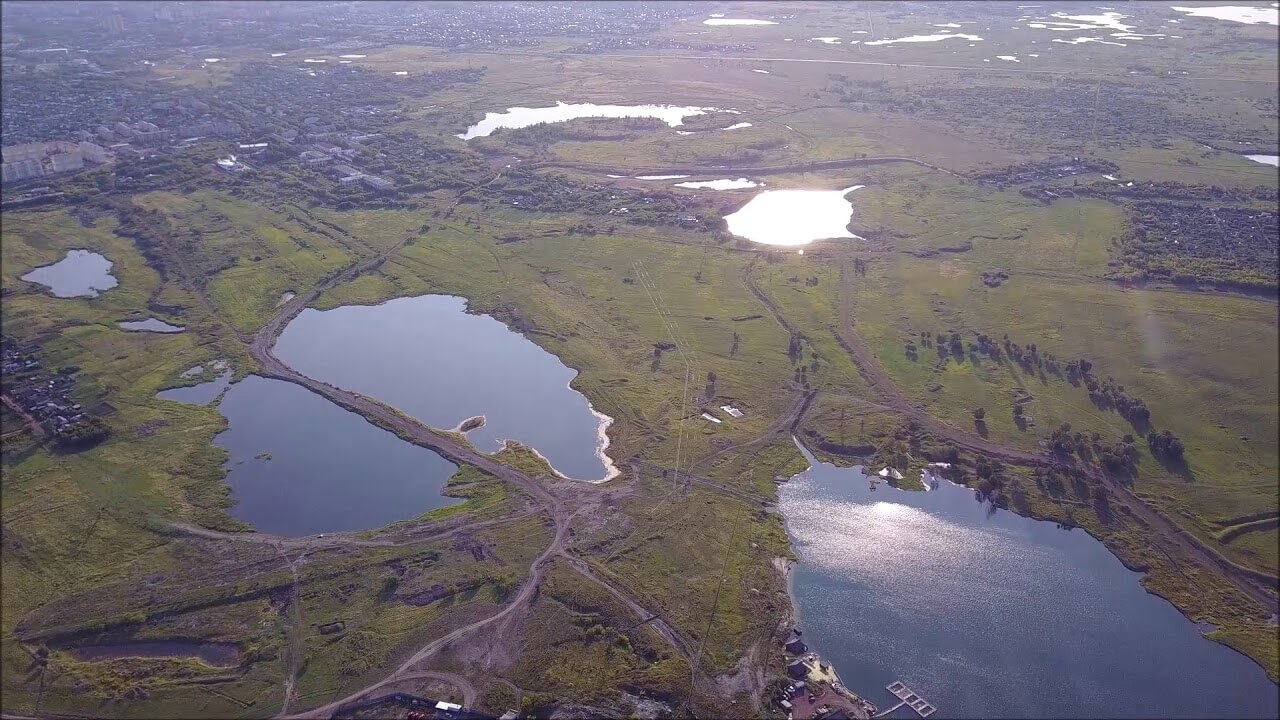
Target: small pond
x=521, y=117
x=80, y=274
x=1272, y=160
x=794, y=217
x=991, y=614
x=201, y=394
x=214, y=654
x=149, y=325
x=433, y=360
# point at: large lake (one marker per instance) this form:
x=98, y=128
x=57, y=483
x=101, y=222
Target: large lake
x=80, y=274
x=301, y=465
x=994, y=615
x=431, y=359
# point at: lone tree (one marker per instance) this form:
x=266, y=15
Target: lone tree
x=979, y=414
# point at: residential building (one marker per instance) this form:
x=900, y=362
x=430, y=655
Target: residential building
x=377, y=183
x=64, y=162
x=21, y=170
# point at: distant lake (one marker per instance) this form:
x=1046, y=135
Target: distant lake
x=150, y=325
x=431, y=359
x=301, y=465
x=521, y=117
x=994, y=615
x=1272, y=160
x=80, y=274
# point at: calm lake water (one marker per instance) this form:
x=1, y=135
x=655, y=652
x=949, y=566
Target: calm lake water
x=994, y=615
x=80, y=274
x=301, y=465
x=520, y=117
x=429, y=358
x=1272, y=160
x=150, y=325
x=794, y=217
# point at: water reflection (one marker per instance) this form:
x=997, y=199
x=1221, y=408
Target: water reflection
x=992, y=614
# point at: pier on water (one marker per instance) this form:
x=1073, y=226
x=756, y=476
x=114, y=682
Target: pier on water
x=909, y=698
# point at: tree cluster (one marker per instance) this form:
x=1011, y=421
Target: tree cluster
x=1165, y=445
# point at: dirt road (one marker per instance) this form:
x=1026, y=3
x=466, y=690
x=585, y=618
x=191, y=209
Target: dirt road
x=31, y=422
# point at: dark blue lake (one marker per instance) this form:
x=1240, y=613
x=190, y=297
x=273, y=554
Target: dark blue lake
x=301, y=465
x=430, y=359
x=994, y=615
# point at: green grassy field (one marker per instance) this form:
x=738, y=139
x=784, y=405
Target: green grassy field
x=84, y=535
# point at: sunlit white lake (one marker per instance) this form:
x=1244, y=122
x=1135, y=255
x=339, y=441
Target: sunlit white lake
x=521, y=117
x=1272, y=160
x=794, y=217
x=736, y=21
x=1235, y=13
x=724, y=184
x=659, y=177
x=352, y=57
x=738, y=126
x=925, y=38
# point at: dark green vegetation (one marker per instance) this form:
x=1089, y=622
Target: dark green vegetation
x=970, y=292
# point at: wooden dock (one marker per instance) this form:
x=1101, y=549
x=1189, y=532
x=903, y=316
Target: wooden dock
x=910, y=698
